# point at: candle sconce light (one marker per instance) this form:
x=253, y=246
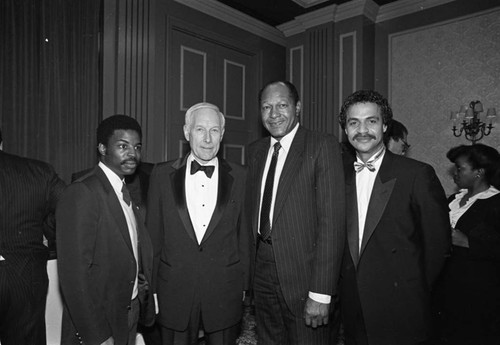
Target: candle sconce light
x=467, y=121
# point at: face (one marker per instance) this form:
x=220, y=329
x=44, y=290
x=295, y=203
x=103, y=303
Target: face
x=204, y=134
x=278, y=111
x=365, y=129
x=122, y=154
x=399, y=147
x=465, y=175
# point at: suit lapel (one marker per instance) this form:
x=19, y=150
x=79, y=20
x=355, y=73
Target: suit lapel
x=111, y=199
x=381, y=193
x=225, y=186
x=290, y=170
x=352, y=221
x=177, y=179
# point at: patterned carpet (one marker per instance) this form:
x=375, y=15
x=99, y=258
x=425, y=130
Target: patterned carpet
x=248, y=332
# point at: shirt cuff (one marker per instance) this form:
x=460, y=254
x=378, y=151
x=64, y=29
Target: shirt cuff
x=317, y=297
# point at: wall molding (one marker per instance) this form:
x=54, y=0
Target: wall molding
x=231, y=16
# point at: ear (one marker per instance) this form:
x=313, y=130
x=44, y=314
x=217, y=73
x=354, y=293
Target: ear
x=102, y=149
x=186, y=132
x=298, y=108
x=384, y=127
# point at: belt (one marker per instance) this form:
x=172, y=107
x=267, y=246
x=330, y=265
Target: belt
x=266, y=241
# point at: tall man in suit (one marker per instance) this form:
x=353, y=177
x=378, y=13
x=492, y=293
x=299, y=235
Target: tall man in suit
x=398, y=234
x=105, y=255
x=201, y=242
x=297, y=205
x=29, y=191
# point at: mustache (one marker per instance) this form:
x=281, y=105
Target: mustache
x=364, y=136
x=128, y=161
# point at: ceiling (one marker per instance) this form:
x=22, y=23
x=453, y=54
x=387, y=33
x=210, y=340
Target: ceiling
x=276, y=12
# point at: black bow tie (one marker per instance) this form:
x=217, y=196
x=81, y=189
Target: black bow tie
x=207, y=169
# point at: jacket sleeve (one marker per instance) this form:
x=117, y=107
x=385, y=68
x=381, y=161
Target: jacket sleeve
x=77, y=217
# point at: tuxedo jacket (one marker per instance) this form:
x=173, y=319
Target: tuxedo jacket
x=29, y=192
x=387, y=283
x=213, y=273
x=308, y=227
x=97, y=267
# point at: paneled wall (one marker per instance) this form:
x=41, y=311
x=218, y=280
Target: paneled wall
x=128, y=65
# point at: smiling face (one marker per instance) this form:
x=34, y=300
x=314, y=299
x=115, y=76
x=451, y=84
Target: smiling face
x=122, y=153
x=365, y=129
x=279, y=112
x=204, y=134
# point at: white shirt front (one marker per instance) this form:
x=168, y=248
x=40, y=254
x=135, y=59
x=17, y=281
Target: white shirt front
x=117, y=184
x=286, y=143
x=201, y=196
x=365, y=179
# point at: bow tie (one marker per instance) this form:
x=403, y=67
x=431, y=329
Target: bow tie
x=358, y=166
x=207, y=169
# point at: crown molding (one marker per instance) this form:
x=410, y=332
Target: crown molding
x=403, y=7
x=306, y=21
x=308, y=3
x=354, y=8
x=229, y=15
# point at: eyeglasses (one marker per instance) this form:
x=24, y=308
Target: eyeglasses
x=406, y=146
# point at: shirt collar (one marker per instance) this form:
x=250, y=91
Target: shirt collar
x=287, y=140
x=488, y=193
x=114, y=179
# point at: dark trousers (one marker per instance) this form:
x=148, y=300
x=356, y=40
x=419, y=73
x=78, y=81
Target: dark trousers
x=22, y=304
x=190, y=336
x=275, y=322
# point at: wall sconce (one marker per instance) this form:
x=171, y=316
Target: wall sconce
x=469, y=122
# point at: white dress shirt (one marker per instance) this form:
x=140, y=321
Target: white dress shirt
x=365, y=179
x=117, y=185
x=201, y=196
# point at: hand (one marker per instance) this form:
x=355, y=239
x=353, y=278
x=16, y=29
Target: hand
x=109, y=341
x=316, y=313
x=459, y=239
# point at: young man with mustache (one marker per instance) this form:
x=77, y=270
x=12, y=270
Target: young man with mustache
x=105, y=255
x=397, y=233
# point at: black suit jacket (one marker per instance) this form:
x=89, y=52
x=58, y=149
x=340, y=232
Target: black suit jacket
x=30, y=190
x=214, y=272
x=387, y=283
x=308, y=227
x=137, y=183
x=96, y=263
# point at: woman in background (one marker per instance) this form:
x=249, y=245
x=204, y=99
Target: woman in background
x=469, y=291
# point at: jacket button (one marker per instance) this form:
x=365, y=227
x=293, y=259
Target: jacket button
x=129, y=307
x=201, y=249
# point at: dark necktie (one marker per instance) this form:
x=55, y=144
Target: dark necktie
x=126, y=195
x=265, y=222
x=207, y=169
x=358, y=166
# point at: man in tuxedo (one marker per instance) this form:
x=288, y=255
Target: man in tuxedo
x=104, y=252
x=201, y=242
x=297, y=204
x=29, y=192
x=398, y=233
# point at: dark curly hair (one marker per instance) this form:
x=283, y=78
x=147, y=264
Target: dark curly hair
x=366, y=96
x=109, y=125
x=479, y=156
